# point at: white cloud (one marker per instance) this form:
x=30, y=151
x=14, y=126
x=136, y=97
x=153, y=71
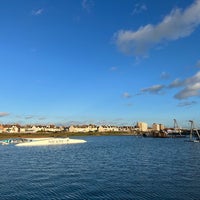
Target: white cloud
x=194, y=79
x=186, y=93
x=155, y=89
x=191, y=87
x=37, y=12
x=177, y=24
x=176, y=83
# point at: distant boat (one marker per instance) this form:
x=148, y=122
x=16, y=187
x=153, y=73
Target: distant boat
x=50, y=141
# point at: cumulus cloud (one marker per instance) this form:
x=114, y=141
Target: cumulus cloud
x=188, y=91
x=176, y=83
x=155, y=89
x=186, y=103
x=37, y=12
x=178, y=24
x=3, y=114
x=191, y=87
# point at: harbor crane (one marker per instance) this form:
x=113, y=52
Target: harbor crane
x=192, y=129
x=177, y=128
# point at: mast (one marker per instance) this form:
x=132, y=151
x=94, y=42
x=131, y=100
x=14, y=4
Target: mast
x=191, y=128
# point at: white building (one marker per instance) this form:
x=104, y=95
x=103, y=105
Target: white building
x=104, y=128
x=53, y=128
x=142, y=126
x=10, y=129
x=83, y=128
x=157, y=127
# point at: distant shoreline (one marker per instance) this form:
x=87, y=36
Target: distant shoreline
x=60, y=134
x=71, y=134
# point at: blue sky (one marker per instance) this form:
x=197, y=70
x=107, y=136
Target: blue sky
x=99, y=61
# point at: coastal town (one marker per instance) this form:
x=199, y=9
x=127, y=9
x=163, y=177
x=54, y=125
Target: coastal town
x=91, y=128
x=140, y=129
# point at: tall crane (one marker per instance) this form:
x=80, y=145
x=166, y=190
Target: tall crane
x=177, y=128
x=192, y=129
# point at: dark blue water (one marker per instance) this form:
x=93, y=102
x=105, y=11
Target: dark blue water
x=112, y=167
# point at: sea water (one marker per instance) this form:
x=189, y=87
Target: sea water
x=110, y=167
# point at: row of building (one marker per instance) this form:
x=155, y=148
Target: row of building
x=140, y=126
x=16, y=128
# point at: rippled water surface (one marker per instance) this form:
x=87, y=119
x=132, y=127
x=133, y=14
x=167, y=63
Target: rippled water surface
x=111, y=167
